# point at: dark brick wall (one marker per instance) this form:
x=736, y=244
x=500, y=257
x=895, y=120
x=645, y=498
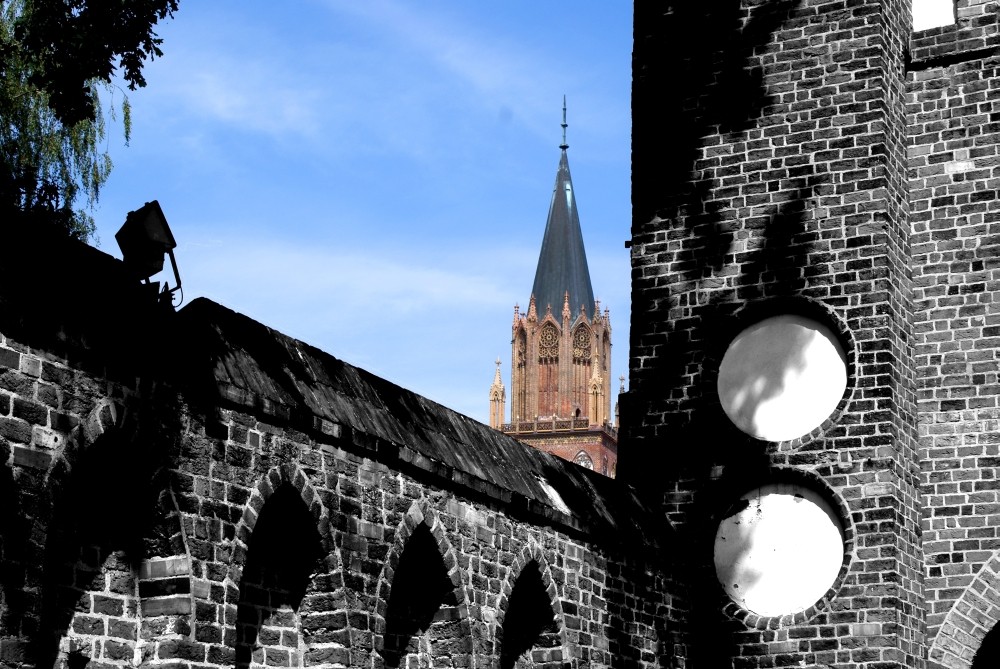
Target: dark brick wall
x=768, y=177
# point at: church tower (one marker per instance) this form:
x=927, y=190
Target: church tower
x=561, y=348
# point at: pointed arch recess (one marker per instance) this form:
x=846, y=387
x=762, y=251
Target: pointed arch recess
x=276, y=477
x=531, y=552
x=421, y=513
x=326, y=582
x=68, y=564
x=970, y=619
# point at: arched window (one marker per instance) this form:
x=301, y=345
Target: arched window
x=584, y=460
x=548, y=342
x=581, y=343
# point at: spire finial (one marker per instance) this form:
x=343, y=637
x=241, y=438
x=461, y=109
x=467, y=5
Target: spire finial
x=564, y=145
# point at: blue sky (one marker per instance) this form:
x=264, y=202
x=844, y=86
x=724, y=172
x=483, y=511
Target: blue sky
x=373, y=177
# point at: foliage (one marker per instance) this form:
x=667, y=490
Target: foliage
x=73, y=43
x=55, y=55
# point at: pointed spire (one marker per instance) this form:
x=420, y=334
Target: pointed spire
x=562, y=261
x=532, y=309
x=566, y=313
x=497, y=381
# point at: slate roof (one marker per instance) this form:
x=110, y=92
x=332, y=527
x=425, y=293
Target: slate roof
x=562, y=262
x=240, y=361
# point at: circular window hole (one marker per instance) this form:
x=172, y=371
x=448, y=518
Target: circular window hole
x=779, y=549
x=782, y=377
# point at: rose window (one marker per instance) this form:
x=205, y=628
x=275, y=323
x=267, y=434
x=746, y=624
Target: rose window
x=549, y=342
x=581, y=343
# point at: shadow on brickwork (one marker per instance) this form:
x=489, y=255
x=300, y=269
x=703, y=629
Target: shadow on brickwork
x=284, y=552
x=422, y=606
x=637, y=630
x=93, y=543
x=15, y=529
x=700, y=59
x=529, y=623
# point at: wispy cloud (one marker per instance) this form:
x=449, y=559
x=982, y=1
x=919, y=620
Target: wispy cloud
x=367, y=282
x=500, y=74
x=253, y=95
x=399, y=313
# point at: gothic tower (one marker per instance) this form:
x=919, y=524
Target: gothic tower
x=561, y=348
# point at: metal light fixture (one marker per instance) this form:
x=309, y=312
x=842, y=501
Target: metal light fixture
x=144, y=240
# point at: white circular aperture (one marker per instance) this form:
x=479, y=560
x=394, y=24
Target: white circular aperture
x=782, y=377
x=780, y=550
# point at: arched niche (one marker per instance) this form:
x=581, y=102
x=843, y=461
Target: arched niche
x=101, y=513
x=284, y=552
x=422, y=616
x=988, y=655
x=529, y=630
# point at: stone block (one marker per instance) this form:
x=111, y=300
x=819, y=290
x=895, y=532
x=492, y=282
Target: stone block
x=10, y=359
x=165, y=606
x=43, y=437
x=32, y=458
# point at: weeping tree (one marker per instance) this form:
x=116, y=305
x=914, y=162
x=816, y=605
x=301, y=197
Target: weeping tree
x=56, y=59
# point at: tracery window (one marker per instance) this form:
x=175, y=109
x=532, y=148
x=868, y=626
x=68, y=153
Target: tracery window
x=584, y=460
x=549, y=342
x=581, y=343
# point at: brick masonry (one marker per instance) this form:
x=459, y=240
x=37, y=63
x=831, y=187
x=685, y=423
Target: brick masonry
x=952, y=113
x=196, y=490
x=817, y=158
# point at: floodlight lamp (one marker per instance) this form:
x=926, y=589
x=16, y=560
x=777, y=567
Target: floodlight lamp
x=144, y=240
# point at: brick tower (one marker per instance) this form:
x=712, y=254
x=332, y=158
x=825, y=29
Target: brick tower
x=561, y=348
x=771, y=363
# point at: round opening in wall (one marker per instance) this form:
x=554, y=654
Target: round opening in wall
x=779, y=549
x=782, y=377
